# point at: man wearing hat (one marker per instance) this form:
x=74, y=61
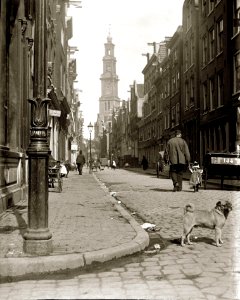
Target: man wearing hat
x=177, y=154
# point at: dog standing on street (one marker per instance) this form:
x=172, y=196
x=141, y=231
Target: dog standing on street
x=214, y=219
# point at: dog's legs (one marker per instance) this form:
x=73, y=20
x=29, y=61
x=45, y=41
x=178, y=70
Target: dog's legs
x=218, y=237
x=182, y=240
x=188, y=238
x=186, y=234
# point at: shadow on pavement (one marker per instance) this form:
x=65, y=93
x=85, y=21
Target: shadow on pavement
x=17, y=211
x=206, y=240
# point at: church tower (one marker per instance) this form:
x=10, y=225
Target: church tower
x=109, y=99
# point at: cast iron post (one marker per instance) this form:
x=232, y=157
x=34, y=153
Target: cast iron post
x=38, y=239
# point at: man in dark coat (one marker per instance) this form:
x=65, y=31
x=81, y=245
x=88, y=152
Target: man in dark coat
x=177, y=154
x=144, y=163
x=80, y=161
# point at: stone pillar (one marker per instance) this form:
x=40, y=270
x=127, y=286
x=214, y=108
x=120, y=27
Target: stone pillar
x=38, y=239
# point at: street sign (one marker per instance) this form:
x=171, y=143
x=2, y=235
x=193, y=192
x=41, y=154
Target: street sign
x=74, y=147
x=54, y=113
x=225, y=160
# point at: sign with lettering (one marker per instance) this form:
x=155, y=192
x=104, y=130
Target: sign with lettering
x=54, y=113
x=74, y=147
x=225, y=161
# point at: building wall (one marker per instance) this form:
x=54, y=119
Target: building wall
x=218, y=116
x=15, y=89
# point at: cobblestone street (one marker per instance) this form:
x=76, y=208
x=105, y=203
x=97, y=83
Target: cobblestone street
x=199, y=271
x=201, y=268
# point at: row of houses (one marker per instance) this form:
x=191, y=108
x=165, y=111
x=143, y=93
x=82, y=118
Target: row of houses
x=192, y=83
x=19, y=55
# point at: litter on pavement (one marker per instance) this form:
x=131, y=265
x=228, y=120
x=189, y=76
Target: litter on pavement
x=148, y=226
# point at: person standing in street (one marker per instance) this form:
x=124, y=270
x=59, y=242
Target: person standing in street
x=178, y=156
x=80, y=161
x=160, y=164
x=144, y=163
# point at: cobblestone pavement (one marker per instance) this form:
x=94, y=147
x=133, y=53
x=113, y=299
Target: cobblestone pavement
x=81, y=219
x=199, y=271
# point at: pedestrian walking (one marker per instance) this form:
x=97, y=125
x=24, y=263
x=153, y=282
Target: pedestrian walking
x=114, y=165
x=144, y=163
x=160, y=164
x=80, y=161
x=178, y=156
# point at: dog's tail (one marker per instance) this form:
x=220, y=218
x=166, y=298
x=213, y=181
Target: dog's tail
x=189, y=207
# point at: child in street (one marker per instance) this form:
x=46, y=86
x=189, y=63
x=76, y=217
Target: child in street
x=196, y=176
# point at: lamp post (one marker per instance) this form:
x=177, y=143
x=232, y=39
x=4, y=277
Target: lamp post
x=37, y=238
x=90, y=129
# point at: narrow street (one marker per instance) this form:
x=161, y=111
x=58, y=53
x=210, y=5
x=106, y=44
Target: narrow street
x=199, y=271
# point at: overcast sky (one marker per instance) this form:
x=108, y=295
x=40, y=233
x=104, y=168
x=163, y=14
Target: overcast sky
x=132, y=24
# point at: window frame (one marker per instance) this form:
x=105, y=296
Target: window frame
x=220, y=32
x=211, y=34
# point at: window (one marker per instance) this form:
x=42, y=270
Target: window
x=211, y=93
x=178, y=81
x=173, y=116
x=191, y=91
x=174, y=88
x=236, y=73
x=189, y=17
x=177, y=114
x=204, y=50
x=191, y=50
x=204, y=4
x=167, y=119
x=236, y=16
x=186, y=95
x=62, y=37
x=211, y=43
x=186, y=56
x=204, y=92
x=220, y=89
x=210, y=6
x=220, y=36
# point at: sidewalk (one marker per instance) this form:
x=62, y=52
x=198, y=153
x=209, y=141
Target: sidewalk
x=87, y=225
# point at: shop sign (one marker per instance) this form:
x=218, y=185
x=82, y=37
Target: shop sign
x=54, y=113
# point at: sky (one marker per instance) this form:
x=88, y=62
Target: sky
x=132, y=25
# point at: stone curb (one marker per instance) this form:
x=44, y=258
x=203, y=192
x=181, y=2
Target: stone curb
x=27, y=266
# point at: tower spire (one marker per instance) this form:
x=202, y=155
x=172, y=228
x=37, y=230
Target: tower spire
x=109, y=38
